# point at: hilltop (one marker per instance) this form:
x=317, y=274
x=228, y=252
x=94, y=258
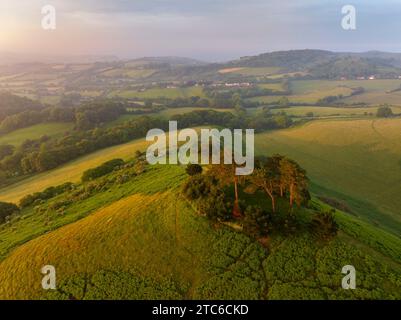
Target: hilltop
x=138, y=239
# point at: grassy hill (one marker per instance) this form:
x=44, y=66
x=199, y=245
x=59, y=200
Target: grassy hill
x=35, y=132
x=139, y=240
x=355, y=161
x=71, y=172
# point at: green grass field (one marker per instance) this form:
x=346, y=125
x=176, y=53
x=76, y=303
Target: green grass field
x=305, y=86
x=35, y=132
x=251, y=71
x=376, y=91
x=272, y=86
x=139, y=240
x=307, y=97
x=130, y=73
x=331, y=111
x=169, y=93
x=357, y=161
x=71, y=172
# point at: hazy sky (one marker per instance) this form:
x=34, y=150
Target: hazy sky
x=204, y=29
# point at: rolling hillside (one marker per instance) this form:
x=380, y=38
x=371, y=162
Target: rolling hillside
x=138, y=240
x=355, y=161
x=71, y=172
x=35, y=132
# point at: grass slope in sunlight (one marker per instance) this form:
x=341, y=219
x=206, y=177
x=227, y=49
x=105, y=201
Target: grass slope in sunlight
x=140, y=240
x=356, y=161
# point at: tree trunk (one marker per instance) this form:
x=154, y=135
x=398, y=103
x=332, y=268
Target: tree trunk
x=291, y=195
x=270, y=194
x=236, y=210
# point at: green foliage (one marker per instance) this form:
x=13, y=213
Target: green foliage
x=7, y=209
x=48, y=193
x=384, y=112
x=284, y=102
x=216, y=206
x=193, y=169
x=92, y=114
x=351, y=67
x=197, y=186
x=102, y=170
x=210, y=198
x=256, y=222
x=6, y=150
x=324, y=226
x=116, y=285
x=11, y=104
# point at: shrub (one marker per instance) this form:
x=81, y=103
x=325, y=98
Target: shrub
x=101, y=170
x=257, y=222
x=212, y=200
x=216, y=206
x=45, y=195
x=384, y=112
x=324, y=226
x=197, y=186
x=193, y=169
x=7, y=209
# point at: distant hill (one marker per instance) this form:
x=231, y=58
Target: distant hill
x=172, y=61
x=293, y=60
x=319, y=64
x=11, y=104
x=326, y=64
x=10, y=58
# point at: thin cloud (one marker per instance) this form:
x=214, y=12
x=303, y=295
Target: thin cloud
x=208, y=29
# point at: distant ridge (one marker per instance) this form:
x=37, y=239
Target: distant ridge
x=9, y=58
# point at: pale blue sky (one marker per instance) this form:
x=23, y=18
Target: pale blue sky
x=204, y=29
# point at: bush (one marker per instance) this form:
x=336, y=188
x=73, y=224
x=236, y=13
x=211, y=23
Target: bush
x=257, y=222
x=48, y=193
x=216, y=206
x=7, y=209
x=198, y=186
x=101, y=170
x=384, y=112
x=193, y=169
x=324, y=226
x=212, y=200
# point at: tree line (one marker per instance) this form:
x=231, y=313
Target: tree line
x=46, y=153
x=85, y=116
